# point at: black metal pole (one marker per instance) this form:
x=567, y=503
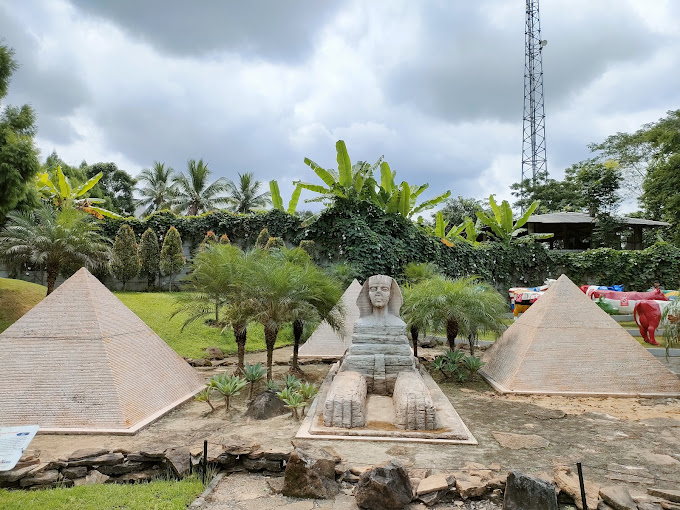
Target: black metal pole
x=205, y=460
x=583, y=489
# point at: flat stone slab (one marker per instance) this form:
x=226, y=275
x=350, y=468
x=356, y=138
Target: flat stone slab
x=449, y=428
x=670, y=495
x=432, y=483
x=543, y=413
x=520, y=441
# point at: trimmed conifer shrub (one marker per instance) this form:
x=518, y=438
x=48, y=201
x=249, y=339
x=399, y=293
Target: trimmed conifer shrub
x=262, y=239
x=172, y=257
x=224, y=239
x=149, y=257
x=124, y=258
x=274, y=243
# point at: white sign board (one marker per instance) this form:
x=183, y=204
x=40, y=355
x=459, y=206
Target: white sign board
x=13, y=442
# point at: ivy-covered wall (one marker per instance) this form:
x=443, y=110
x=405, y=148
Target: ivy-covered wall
x=378, y=243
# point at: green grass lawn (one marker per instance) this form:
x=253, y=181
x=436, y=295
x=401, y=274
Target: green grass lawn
x=155, y=309
x=16, y=298
x=157, y=495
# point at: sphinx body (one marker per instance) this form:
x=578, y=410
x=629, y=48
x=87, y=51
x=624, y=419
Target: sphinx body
x=379, y=353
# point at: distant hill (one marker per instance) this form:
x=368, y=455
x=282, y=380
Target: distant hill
x=16, y=298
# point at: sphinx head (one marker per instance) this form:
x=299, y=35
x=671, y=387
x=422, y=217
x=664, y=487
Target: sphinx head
x=379, y=290
x=379, y=294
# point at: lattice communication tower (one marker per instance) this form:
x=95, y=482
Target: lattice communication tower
x=534, y=161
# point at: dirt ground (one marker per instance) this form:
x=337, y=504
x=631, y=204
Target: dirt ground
x=636, y=441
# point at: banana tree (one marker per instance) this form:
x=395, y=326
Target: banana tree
x=402, y=199
x=58, y=189
x=348, y=181
x=503, y=225
x=277, y=199
x=455, y=233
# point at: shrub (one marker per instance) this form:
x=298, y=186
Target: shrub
x=172, y=258
x=125, y=261
x=149, y=257
x=455, y=364
x=262, y=239
x=274, y=243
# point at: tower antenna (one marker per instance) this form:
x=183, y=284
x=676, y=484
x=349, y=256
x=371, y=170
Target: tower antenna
x=534, y=161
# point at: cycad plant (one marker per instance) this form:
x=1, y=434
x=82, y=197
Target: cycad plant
x=465, y=305
x=253, y=374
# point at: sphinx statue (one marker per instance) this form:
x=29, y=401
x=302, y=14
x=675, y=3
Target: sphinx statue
x=380, y=362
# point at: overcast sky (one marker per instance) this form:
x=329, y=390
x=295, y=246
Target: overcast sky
x=435, y=86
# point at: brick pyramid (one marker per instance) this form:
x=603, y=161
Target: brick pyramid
x=81, y=361
x=566, y=345
x=326, y=343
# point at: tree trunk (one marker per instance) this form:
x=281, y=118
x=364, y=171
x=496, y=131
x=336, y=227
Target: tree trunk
x=270, y=334
x=298, y=327
x=52, y=273
x=472, y=342
x=414, y=337
x=452, y=333
x=240, y=335
x=217, y=312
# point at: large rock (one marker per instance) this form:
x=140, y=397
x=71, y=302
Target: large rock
x=385, y=487
x=178, y=461
x=618, y=497
x=266, y=405
x=310, y=473
x=523, y=492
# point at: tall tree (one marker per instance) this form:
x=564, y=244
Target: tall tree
x=554, y=195
x=158, y=190
x=172, y=257
x=455, y=210
x=245, y=195
x=115, y=184
x=194, y=194
x=125, y=261
x=149, y=257
x=18, y=154
x=597, y=185
x=53, y=239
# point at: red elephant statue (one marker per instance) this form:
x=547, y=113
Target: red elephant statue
x=647, y=314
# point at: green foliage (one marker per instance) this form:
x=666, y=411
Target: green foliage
x=308, y=390
x=204, y=396
x=253, y=374
x=552, y=195
x=125, y=263
x=503, y=225
x=155, y=495
x=277, y=199
x=224, y=239
x=294, y=401
x=456, y=210
x=274, y=243
x=291, y=382
x=228, y=386
x=271, y=385
x=307, y=246
x=18, y=154
x=57, y=189
x=210, y=237
x=52, y=240
x=597, y=185
x=149, y=257
x=245, y=196
x=172, y=257
x=193, y=194
x=158, y=190
x=456, y=365
x=415, y=273
x=262, y=239
x=115, y=185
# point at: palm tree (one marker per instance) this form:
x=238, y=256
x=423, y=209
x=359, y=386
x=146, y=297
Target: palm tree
x=245, y=195
x=194, y=194
x=465, y=305
x=53, y=239
x=283, y=291
x=218, y=283
x=159, y=190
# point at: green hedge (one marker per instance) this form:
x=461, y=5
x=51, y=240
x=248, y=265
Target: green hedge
x=375, y=242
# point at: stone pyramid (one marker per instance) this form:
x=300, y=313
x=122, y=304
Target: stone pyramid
x=326, y=343
x=81, y=361
x=566, y=345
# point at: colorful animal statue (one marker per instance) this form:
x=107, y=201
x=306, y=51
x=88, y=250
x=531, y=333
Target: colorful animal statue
x=624, y=302
x=647, y=315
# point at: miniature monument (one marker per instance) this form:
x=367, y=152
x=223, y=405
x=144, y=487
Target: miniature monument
x=325, y=342
x=567, y=345
x=377, y=390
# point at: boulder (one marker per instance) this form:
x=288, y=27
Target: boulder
x=617, y=497
x=178, y=461
x=385, y=487
x=523, y=492
x=310, y=473
x=214, y=353
x=266, y=405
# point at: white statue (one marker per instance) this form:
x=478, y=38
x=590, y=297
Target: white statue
x=379, y=302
